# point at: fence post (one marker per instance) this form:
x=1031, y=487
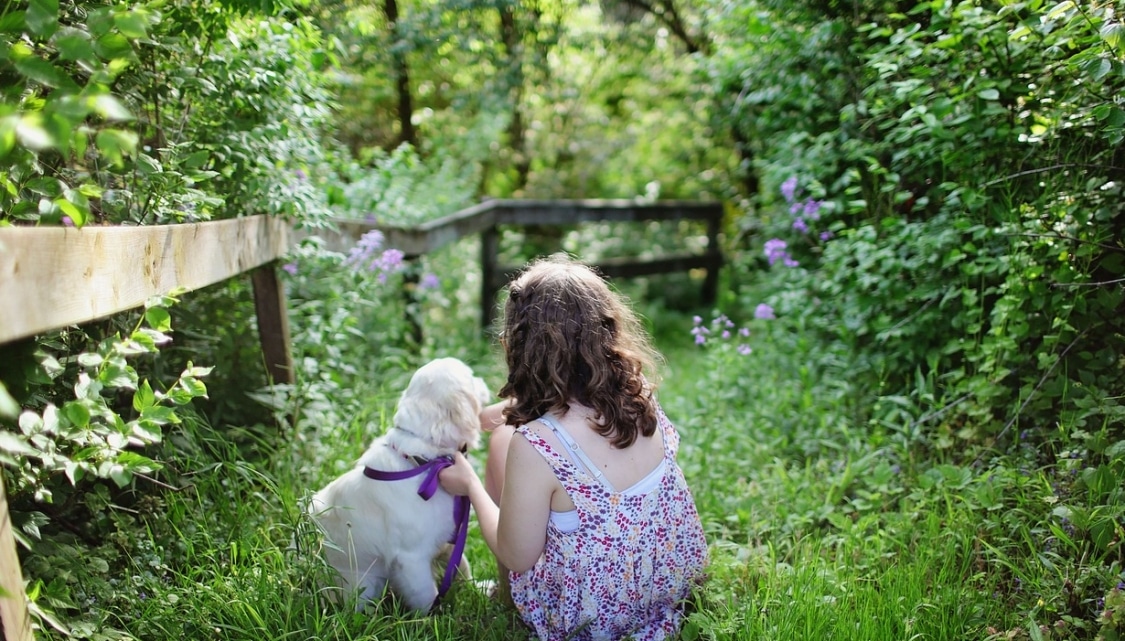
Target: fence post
x=489, y=256
x=411, y=279
x=15, y=625
x=273, y=323
x=711, y=281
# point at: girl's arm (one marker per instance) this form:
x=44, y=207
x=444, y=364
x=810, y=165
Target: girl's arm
x=525, y=506
x=516, y=530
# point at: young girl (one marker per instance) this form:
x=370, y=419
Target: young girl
x=595, y=521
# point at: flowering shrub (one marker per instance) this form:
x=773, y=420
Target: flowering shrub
x=804, y=213
x=777, y=252
x=365, y=256
x=720, y=331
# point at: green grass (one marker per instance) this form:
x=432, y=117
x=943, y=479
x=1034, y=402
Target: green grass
x=820, y=527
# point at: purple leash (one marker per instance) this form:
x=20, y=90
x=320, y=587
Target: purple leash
x=426, y=490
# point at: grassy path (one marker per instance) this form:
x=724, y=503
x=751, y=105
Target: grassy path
x=804, y=515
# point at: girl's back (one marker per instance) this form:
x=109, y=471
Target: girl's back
x=624, y=565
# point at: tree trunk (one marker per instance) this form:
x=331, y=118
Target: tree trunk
x=517, y=140
x=402, y=76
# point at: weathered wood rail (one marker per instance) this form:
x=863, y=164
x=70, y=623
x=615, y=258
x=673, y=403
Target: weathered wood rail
x=54, y=277
x=487, y=217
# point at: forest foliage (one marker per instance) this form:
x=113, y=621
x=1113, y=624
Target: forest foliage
x=927, y=196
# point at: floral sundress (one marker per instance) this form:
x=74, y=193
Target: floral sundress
x=626, y=570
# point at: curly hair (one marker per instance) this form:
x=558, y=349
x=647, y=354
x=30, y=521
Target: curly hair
x=569, y=338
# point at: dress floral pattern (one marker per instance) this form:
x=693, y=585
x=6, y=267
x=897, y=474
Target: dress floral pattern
x=627, y=568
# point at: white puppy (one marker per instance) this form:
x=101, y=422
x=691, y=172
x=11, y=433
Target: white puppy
x=384, y=531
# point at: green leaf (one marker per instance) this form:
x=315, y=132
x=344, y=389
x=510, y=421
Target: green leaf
x=194, y=387
x=151, y=336
x=13, y=444
x=159, y=319
x=114, y=46
x=90, y=360
x=132, y=24
x=160, y=415
x=8, y=126
x=115, y=144
x=75, y=44
x=110, y=108
x=1033, y=628
x=31, y=133
x=143, y=398
x=1059, y=10
x=989, y=94
x=42, y=17
x=41, y=71
x=77, y=413
x=13, y=22
x=196, y=159
x=74, y=472
x=1097, y=68
x=77, y=215
x=120, y=475
x=192, y=370
x=30, y=423
x=1114, y=35
x=9, y=408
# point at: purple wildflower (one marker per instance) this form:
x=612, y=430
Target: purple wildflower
x=764, y=312
x=744, y=349
x=744, y=332
x=301, y=175
x=700, y=332
x=67, y=221
x=775, y=250
x=825, y=235
x=796, y=208
x=364, y=251
x=801, y=226
x=812, y=209
x=387, y=263
x=726, y=334
x=789, y=188
x=291, y=268
x=429, y=281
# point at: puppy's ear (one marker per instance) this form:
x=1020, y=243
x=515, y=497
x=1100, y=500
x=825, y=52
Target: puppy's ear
x=442, y=402
x=464, y=415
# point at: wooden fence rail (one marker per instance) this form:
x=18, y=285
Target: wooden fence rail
x=487, y=217
x=53, y=277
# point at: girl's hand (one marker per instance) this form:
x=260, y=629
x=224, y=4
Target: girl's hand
x=458, y=479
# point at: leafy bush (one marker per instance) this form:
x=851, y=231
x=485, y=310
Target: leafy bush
x=159, y=113
x=87, y=435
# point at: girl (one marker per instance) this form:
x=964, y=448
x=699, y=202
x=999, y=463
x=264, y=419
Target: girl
x=595, y=523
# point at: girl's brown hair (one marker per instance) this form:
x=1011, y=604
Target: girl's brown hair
x=569, y=337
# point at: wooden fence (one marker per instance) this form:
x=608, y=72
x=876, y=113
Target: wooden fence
x=52, y=277
x=55, y=277
x=486, y=219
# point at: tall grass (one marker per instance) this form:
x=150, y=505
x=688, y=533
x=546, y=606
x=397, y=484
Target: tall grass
x=821, y=526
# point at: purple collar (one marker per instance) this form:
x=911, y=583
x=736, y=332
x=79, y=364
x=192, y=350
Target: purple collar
x=426, y=490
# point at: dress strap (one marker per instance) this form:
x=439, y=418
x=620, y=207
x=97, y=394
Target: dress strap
x=671, y=437
x=575, y=451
